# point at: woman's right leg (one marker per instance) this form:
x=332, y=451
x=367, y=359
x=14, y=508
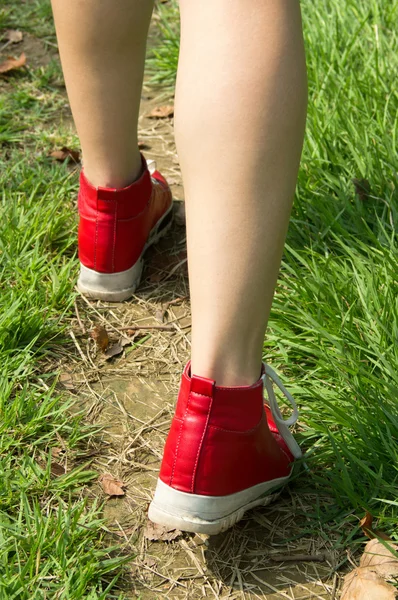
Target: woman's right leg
x=240, y=116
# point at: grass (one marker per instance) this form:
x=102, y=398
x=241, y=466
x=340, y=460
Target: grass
x=334, y=326
x=333, y=331
x=51, y=534
x=336, y=310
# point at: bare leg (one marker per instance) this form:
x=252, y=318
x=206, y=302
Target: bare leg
x=240, y=117
x=102, y=45
x=241, y=103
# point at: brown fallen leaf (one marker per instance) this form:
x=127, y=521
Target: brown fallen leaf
x=161, y=112
x=367, y=521
x=100, y=335
x=14, y=36
x=366, y=524
x=379, y=557
x=155, y=533
x=362, y=188
x=12, y=64
x=66, y=154
x=114, y=350
x=111, y=486
x=56, y=452
x=368, y=581
x=150, y=562
x=134, y=333
x=143, y=146
x=56, y=469
x=365, y=584
x=66, y=380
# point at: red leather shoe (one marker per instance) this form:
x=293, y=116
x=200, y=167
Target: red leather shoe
x=226, y=452
x=116, y=228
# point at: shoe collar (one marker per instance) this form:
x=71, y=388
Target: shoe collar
x=253, y=393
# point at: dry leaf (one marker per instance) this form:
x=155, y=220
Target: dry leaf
x=117, y=348
x=56, y=452
x=13, y=36
x=366, y=584
x=367, y=527
x=133, y=333
x=66, y=154
x=150, y=562
x=114, y=350
x=362, y=188
x=154, y=533
x=99, y=334
x=161, y=112
x=66, y=380
x=57, y=470
x=143, y=146
x=11, y=64
x=111, y=486
x=366, y=524
x=380, y=558
x=367, y=521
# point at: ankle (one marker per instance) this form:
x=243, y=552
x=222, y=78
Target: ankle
x=114, y=176
x=227, y=371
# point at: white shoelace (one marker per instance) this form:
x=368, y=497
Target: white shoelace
x=151, y=164
x=282, y=424
x=276, y=413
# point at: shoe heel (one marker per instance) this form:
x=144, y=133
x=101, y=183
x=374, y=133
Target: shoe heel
x=110, y=287
x=208, y=514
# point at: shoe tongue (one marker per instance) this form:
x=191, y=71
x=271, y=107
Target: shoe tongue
x=201, y=385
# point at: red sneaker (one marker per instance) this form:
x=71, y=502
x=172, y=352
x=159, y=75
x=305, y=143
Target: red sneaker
x=116, y=227
x=226, y=453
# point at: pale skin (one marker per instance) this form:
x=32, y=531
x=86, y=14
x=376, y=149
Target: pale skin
x=240, y=113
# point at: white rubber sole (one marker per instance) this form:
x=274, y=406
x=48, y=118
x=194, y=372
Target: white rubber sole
x=209, y=514
x=116, y=287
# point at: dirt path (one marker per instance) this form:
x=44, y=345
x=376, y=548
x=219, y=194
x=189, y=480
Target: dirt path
x=132, y=396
